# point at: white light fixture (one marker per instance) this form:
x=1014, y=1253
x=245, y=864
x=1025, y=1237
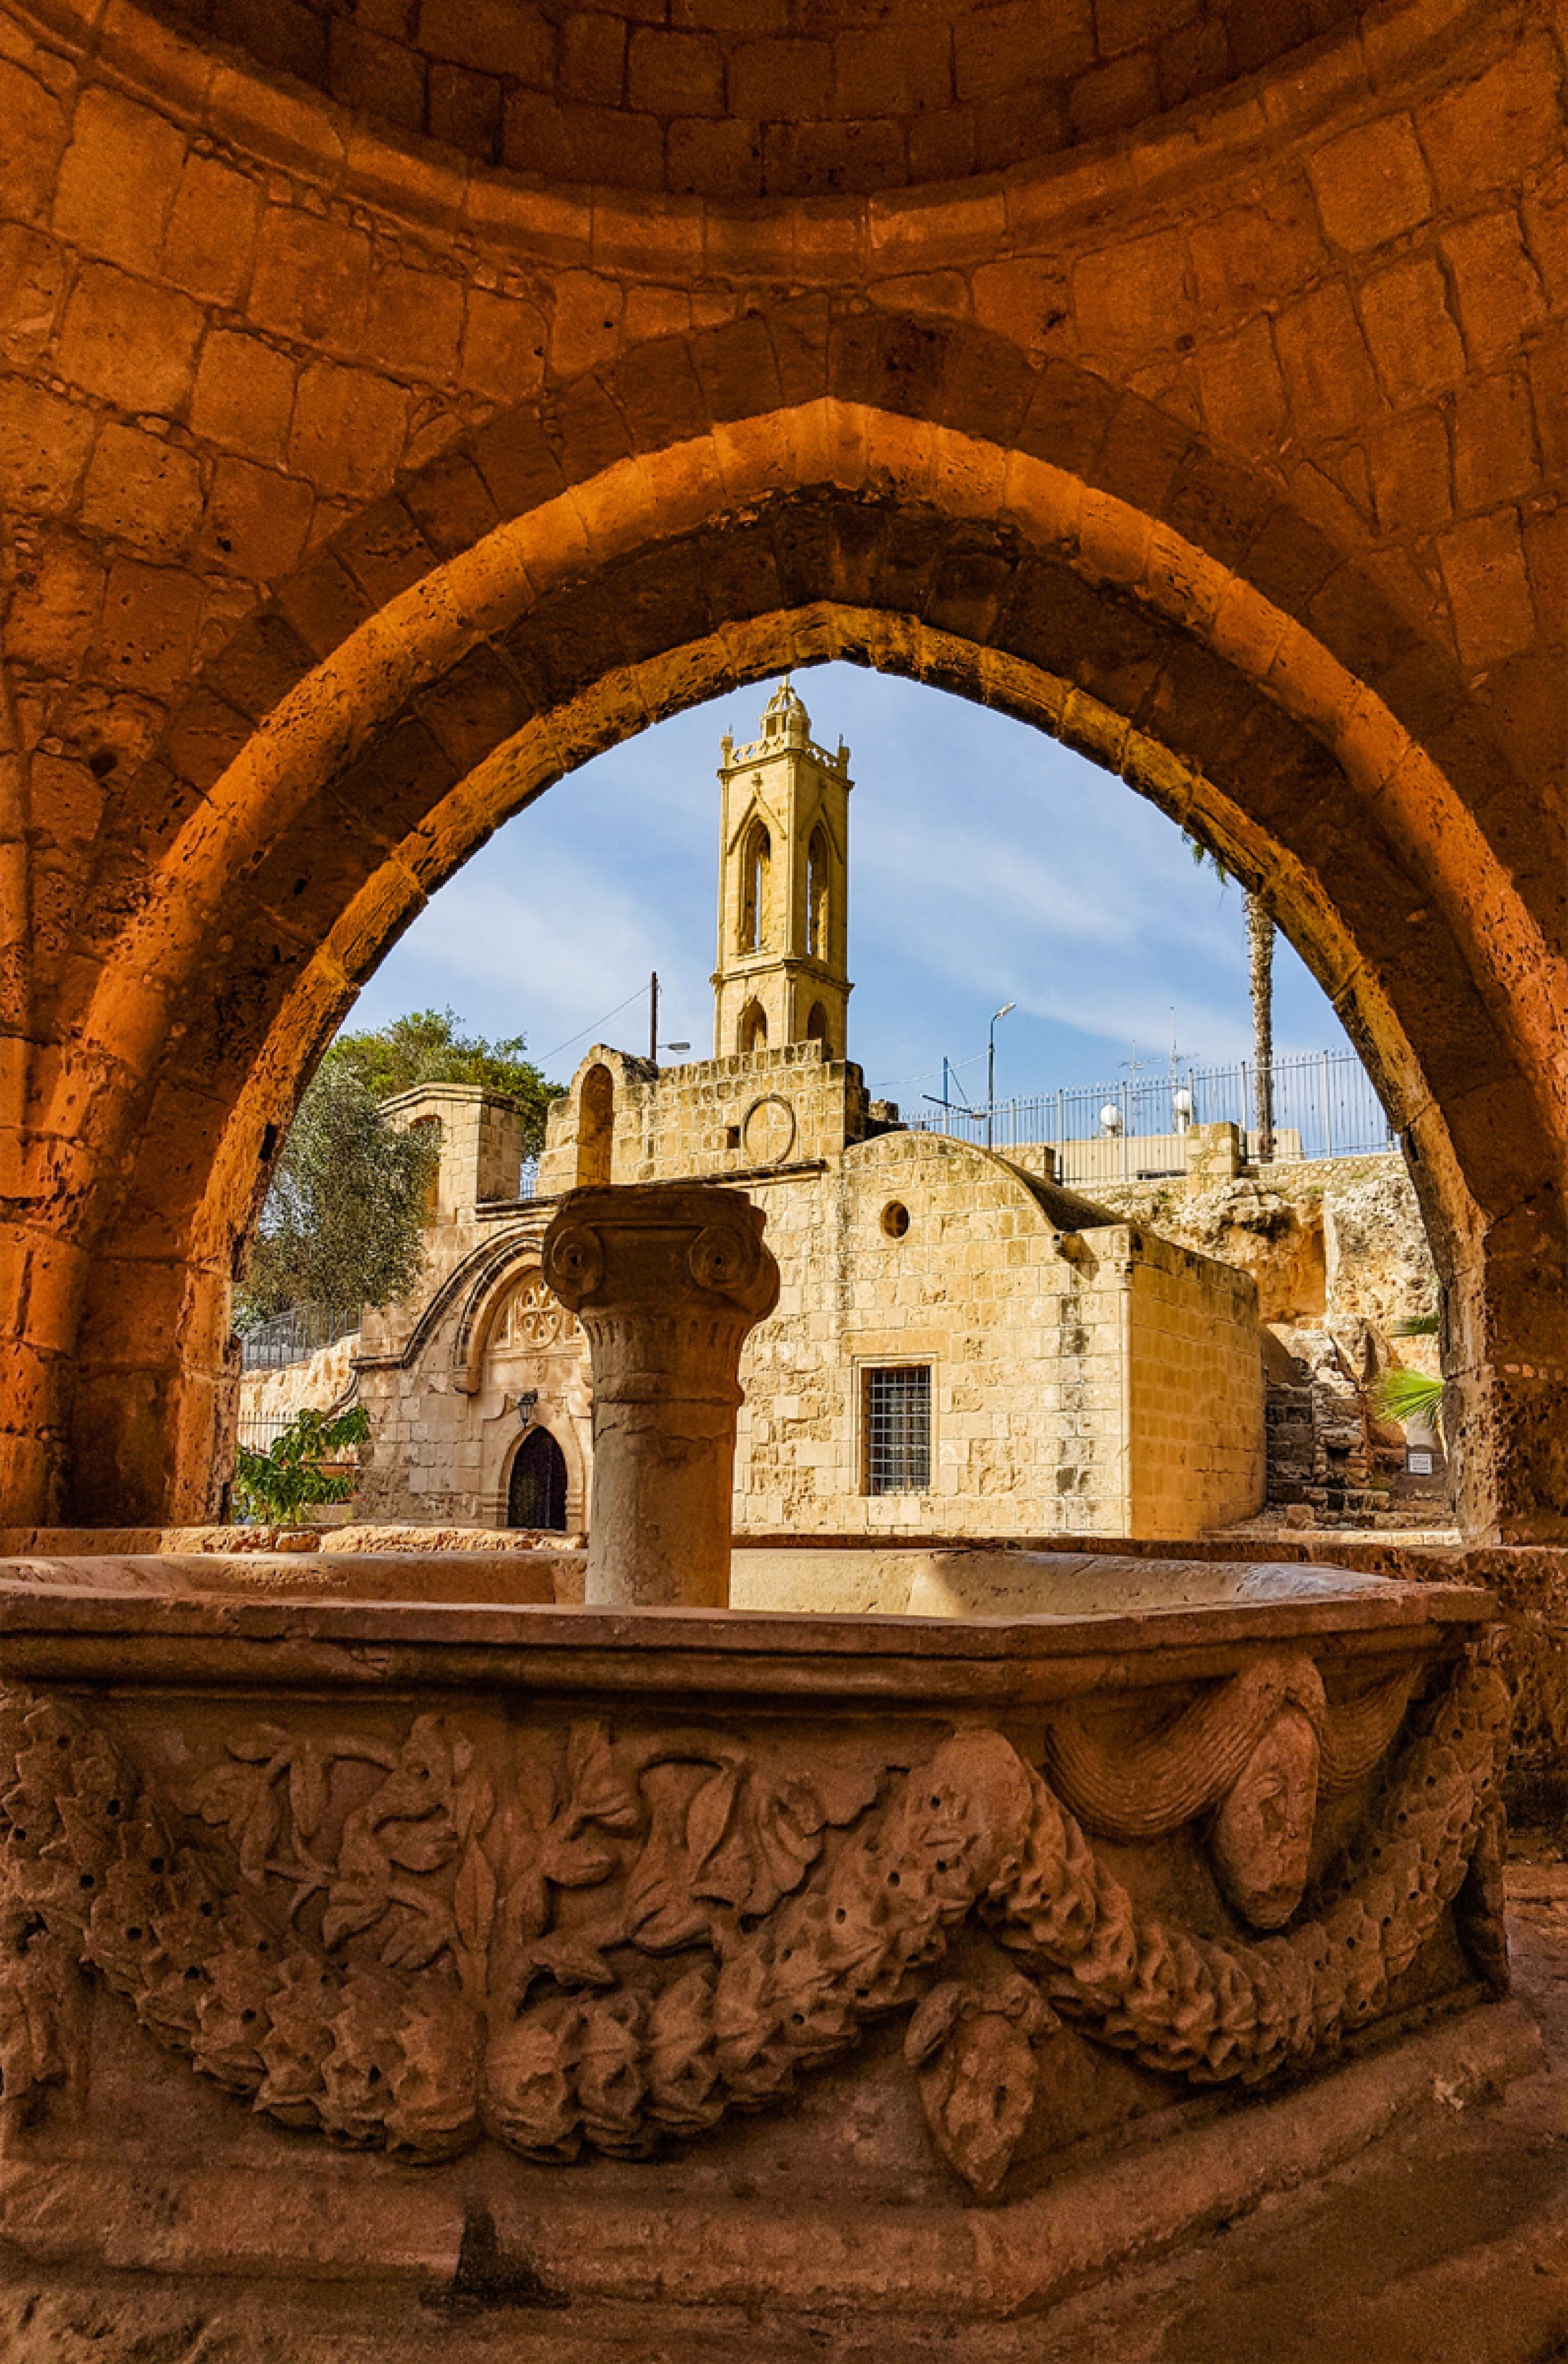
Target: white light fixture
x=1182, y=1106
x=1110, y=1118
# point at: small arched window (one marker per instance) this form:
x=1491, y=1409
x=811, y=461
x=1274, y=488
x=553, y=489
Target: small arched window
x=752, y=1031
x=595, y=1126
x=818, y=873
x=817, y=1025
x=756, y=860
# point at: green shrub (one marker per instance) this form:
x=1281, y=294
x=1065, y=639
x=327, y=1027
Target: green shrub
x=274, y=1487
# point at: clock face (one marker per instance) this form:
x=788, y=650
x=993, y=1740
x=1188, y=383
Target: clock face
x=768, y=1133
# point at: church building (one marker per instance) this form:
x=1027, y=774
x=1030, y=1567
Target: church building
x=961, y=1346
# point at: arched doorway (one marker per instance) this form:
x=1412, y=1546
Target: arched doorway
x=535, y=1490
x=1290, y=728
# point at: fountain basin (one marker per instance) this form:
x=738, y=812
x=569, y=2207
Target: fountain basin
x=342, y=1925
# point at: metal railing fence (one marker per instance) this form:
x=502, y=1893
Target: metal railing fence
x=294, y=1335
x=1325, y=1106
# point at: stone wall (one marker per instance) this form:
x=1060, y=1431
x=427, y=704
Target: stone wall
x=1085, y=1376
x=723, y=1118
x=1338, y=1253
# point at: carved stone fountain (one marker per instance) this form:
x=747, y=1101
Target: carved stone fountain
x=335, y=1929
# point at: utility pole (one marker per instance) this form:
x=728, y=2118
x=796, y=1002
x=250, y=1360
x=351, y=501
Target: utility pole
x=653, y=1016
x=991, y=1073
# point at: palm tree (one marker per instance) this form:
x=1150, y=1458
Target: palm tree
x=1261, y=981
x=1404, y=1395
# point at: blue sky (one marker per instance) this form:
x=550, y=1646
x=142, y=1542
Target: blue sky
x=987, y=863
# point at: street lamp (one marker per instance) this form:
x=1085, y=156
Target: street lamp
x=991, y=1071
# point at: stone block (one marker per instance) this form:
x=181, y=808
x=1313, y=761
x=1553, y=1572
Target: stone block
x=724, y=157
x=585, y=322
x=1328, y=374
x=243, y=396
x=1408, y=460
x=1133, y=294
x=212, y=230
x=671, y=73
x=414, y=322
x=348, y=429
x=464, y=109
x=32, y=133
x=1496, y=284
x=1488, y=588
x=1495, y=457
x=1414, y=339
x=892, y=70
x=1242, y=388
x=491, y=37
x=311, y=281
x=1371, y=184
x=375, y=77
x=128, y=341
x=256, y=520
x=592, y=57
x=1490, y=132
x=118, y=149
x=502, y=346
x=1124, y=92
x=54, y=607
x=44, y=443
x=997, y=49
x=32, y=279
x=147, y=628
x=781, y=81
x=142, y=490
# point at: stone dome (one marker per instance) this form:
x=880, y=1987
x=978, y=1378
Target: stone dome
x=736, y=100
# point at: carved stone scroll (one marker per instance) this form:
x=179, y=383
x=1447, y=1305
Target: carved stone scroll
x=666, y=1280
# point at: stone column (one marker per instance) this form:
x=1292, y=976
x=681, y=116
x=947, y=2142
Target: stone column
x=667, y=1280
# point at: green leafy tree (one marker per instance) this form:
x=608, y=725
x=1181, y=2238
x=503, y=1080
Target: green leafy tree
x=343, y=1221
x=428, y=1047
x=274, y=1487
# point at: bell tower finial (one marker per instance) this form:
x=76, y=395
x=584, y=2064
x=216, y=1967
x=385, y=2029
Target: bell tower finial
x=783, y=887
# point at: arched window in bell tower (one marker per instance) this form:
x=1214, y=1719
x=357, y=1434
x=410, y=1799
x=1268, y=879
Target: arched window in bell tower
x=756, y=860
x=817, y=1026
x=752, y=1032
x=817, y=874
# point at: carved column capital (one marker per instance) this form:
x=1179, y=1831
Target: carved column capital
x=667, y=1281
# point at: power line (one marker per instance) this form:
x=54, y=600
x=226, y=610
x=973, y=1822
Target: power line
x=593, y=1026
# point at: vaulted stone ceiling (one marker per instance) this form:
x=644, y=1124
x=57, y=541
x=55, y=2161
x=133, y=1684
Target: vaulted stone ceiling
x=743, y=99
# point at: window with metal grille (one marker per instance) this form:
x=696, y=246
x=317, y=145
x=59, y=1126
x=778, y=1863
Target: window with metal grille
x=897, y=1411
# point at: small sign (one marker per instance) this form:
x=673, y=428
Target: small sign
x=1420, y=1464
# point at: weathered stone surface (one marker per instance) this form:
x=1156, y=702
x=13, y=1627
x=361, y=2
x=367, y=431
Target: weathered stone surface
x=477, y=1880
x=667, y=1282
x=1263, y=634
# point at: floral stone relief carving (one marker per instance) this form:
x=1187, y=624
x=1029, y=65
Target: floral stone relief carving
x=565, y=1936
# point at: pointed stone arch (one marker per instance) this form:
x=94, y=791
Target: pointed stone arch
x=1179, y=622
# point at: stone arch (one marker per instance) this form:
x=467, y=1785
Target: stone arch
x=817, y=1027
x=537, y=1480
x=595, y=1127
x=751, y=1029
x=942, y=511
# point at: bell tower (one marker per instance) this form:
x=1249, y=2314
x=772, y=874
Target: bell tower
x=783, y=887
